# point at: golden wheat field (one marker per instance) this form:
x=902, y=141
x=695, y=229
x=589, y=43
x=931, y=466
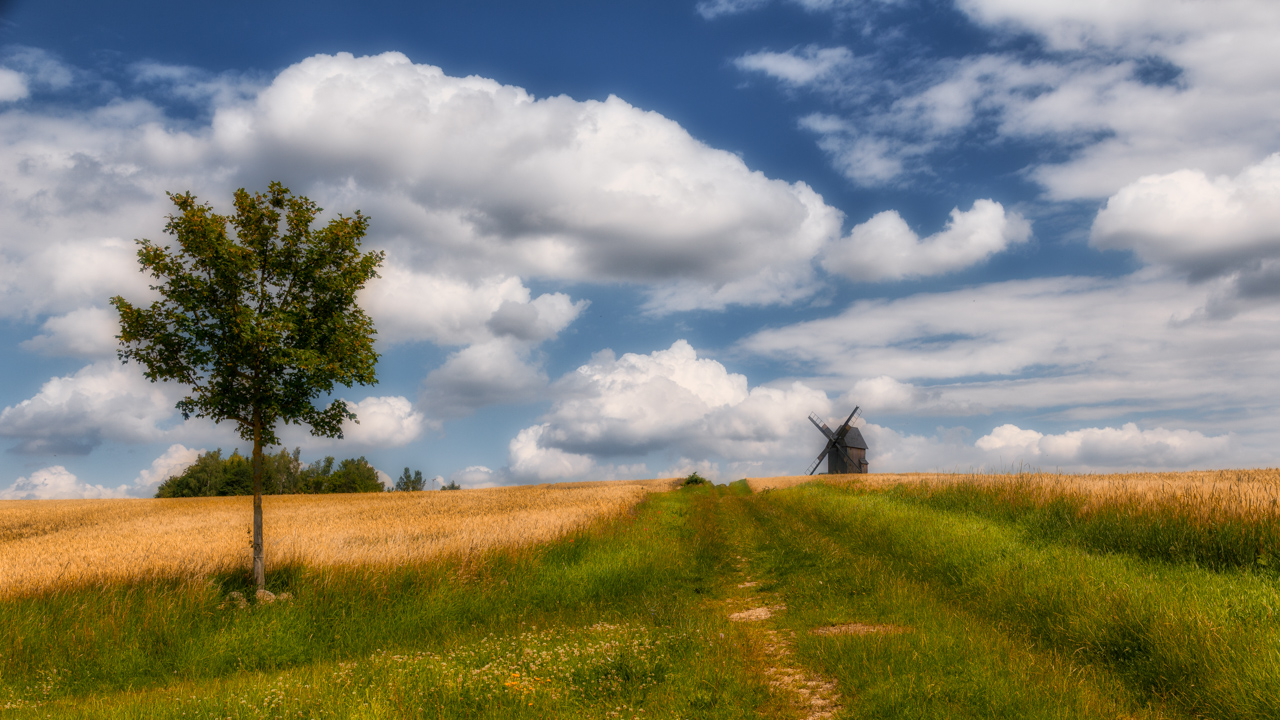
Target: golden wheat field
x=46, y=544
x=1243, y=493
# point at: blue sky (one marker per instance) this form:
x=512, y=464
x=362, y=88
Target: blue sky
x=638, y=239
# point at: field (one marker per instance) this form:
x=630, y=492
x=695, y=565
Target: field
x=70, y=543
x=922, y=596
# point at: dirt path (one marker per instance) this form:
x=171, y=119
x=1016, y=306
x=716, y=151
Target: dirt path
x=808, y=695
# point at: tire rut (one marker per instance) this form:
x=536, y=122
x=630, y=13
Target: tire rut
x=810, y=695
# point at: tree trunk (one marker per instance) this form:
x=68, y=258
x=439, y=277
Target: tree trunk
x=259, y=570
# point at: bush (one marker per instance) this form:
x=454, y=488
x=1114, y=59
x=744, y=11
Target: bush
x=694, y=479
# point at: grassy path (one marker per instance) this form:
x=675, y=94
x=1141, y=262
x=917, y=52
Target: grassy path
x=710, y=602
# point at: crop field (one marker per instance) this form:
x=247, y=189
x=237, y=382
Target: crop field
x=1137, y=596
x=67, y=543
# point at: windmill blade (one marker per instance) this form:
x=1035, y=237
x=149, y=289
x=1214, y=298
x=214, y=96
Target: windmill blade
x=848, y=423
x=813, y=418
x=818, y=462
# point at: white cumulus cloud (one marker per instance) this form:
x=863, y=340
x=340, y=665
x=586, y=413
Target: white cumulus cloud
x=57, y=483
x=1127, y=446
x=885, y=248
x=409, y=306
x=528, y=459
x=384, y=422
x=1203, y=227
x=75, y=413
x=84, y=332
x=473, y=186
x=173, y=462
x=669, y=403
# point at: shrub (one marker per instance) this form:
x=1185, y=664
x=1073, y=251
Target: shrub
x=694, y=479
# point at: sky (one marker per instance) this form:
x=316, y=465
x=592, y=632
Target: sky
x=640, y=239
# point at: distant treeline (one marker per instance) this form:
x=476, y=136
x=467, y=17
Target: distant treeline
x=283, y=474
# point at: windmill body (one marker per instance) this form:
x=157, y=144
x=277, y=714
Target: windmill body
x=846, y=450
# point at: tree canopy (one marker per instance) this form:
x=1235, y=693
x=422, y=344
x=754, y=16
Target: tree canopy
x=282, y=474
x=408, y=483
x=259, y=324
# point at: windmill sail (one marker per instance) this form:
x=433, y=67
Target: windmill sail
x=837, y=451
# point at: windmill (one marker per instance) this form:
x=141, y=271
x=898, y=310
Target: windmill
x=846, y=451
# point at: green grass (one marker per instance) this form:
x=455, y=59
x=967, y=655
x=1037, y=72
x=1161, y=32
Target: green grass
x=998, y=619
x=1155, y=637
x=624, y=600
x=1202, y=531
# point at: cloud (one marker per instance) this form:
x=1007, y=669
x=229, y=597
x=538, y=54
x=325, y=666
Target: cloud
x=947, y=450
x=711, y=9
x=476, y=476
x=1121, y=92
x=528, y=459
x=672, y=403
x=496, y=318
x=1008, y=447
x=497, y=372
x=57, y=483
x=173, y=462
x=866, y=159
x=684, y=467
x=884, y=248
x=409, y=306
x=799, y=67
x=887, y=395
x=39, y=68
x=107, y=401
x=637, y=402
x=1202, y=227
x=195, y=84
x=87, y=332
x=13, y=86
x=1063, y=348
x=668, y=402
x=74, y=413
x=384, y=422
x=474, y=188
x=1108, y=447
x=474, y=177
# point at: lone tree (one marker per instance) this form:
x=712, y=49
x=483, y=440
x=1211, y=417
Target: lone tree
x=259, y=325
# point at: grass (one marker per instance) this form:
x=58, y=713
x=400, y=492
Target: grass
x=1176, y=639
x=624, y=599
x=974, y=599
x=1227, y=522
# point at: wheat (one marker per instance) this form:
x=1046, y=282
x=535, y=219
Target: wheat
x=47, y=544
x=1244, y=493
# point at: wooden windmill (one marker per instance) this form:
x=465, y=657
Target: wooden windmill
x=846, y=451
